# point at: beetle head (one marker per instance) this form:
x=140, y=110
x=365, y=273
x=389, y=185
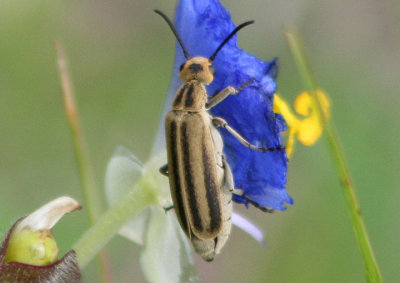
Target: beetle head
x=197, y=68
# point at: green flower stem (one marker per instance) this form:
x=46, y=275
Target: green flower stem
x=90, y=191
x=137, y=199
x=370, y=264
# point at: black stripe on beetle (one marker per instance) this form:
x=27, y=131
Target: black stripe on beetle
x=189, y=99
x=212, y=190
x=179, y=96
x=175, y=174
x=189, y=177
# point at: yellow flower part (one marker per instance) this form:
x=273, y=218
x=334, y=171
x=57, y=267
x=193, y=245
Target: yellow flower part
x=32, y=247
x=31, y=241
x=308, y=129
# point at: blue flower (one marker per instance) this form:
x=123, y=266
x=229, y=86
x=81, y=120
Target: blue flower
x=203, y=25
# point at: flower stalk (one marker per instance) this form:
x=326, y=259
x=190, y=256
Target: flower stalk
x=370, y=264
x=90, y=190
x=138, y=198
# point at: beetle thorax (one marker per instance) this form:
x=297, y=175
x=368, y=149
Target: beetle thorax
x=191, y=96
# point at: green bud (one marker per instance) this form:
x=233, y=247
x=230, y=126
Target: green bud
x=31, y=241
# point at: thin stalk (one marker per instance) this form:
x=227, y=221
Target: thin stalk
x=90, y=191
x=370, y=264
x=137, y=199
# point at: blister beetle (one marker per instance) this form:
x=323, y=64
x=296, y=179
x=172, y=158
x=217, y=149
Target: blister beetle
x=201, y=181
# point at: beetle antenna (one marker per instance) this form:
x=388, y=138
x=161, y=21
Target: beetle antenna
x=239, y=27
x=187, y=56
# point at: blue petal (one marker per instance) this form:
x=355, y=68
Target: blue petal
x=203, y=25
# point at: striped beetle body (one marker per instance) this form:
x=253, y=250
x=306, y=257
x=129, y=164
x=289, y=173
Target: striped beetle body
x=199, y=189
x=201, y=181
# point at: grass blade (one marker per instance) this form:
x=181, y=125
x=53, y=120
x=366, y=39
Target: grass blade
x=370, y=264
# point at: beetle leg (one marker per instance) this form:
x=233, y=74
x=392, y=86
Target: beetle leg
x=219, y=122
x=239, y=192
x=220, y=96
x=256, y=205
x=214, y=100
x=168, y=208
x=164, y=170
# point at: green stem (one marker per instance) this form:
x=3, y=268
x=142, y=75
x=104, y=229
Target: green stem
x=90, y=191
x=92, y=198
x=140, y=197
x=370, y=264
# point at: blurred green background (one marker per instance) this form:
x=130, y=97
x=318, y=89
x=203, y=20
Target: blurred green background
x=120, y=56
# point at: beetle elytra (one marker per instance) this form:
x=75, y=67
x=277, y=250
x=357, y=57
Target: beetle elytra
x=201, y=181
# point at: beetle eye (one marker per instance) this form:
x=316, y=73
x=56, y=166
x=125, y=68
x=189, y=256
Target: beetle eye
x=212, y=70
x=181, y=67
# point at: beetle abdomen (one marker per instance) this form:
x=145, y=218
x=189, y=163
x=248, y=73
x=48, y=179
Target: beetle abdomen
x=193, y=174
